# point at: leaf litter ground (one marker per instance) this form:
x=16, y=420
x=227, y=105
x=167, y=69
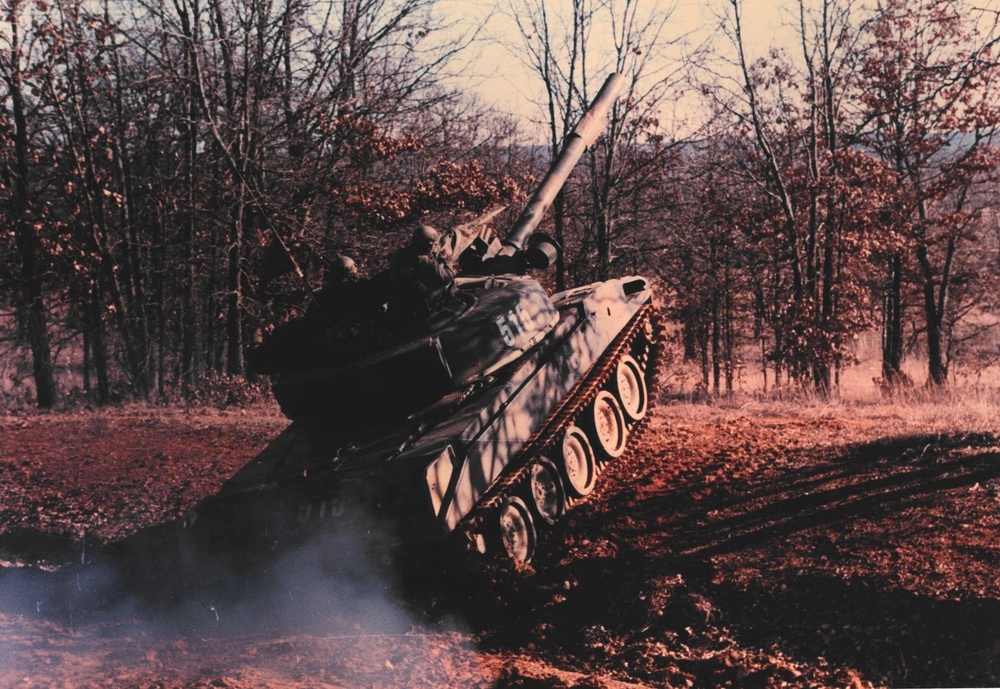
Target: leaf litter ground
x=730, y=548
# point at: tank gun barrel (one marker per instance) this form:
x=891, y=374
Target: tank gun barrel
x=580, y=139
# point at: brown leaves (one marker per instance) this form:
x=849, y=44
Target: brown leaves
x=107, y=475
x=462, y=187
x=448, y=187
x=363, y=143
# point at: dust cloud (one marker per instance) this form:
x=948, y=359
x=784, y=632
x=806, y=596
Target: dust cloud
x=151, y=598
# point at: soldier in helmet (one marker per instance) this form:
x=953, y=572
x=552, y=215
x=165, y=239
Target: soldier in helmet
x=343, y=267
x=305, y=341
x=421, y=281
x=338, y=278
x=347, y=299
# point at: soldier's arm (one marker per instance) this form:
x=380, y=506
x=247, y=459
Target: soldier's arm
x=435, y=272
x=453, y=242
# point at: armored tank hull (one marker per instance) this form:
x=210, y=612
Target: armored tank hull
x=495, y=447
x=491, y=422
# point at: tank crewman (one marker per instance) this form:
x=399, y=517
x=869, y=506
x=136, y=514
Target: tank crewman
x=336, y=312
x=421, y=281
x=348, y=300
x=333, y=298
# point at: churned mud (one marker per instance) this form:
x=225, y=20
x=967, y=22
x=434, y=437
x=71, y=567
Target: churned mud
x=759, y=549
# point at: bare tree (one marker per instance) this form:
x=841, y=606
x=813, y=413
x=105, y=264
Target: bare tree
x=567, y=52
x=932, y=114
x=23, y=212
x=818, y=218
x=557, y=54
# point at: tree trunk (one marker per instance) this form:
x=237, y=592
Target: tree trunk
x=892, y=327
x=703, y=340
x=86, y=360
x=716, y=346
x=98, y=344
x=29, y=247
x=559, y=220
x=934, y=318
x=728, y=338
x=136, y=263
x=189, y=318
x=234, y=285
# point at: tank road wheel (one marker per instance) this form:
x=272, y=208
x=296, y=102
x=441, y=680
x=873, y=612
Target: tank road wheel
x=610, y=433
x=547, y=491
x=630, y=385
x=517, y=530
x=578, y=462
x=648, y=332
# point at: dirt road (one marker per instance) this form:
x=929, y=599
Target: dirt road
x=741, y=548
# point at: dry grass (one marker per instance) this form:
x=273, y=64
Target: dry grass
x=970, y=402
x=910, y=410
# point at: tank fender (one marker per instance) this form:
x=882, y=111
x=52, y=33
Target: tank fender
x=611, y=302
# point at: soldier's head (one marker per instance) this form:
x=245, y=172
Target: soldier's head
x=424, y=238
x=341, y=269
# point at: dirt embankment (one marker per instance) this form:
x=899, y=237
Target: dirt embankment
x=766, y=549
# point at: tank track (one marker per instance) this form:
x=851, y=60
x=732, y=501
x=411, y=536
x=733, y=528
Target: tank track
x=646, y=324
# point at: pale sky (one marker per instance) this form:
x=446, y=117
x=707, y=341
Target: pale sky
x=498, y=76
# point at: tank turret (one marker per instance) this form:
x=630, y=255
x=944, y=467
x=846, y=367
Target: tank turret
x=579, y=140
x=523, y=248
x=491, y=421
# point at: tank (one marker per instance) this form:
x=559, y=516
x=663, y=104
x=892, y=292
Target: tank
x=486, y=427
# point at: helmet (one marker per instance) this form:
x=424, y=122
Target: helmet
x=424, y=237
x=345, y=263
x=342, y=267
